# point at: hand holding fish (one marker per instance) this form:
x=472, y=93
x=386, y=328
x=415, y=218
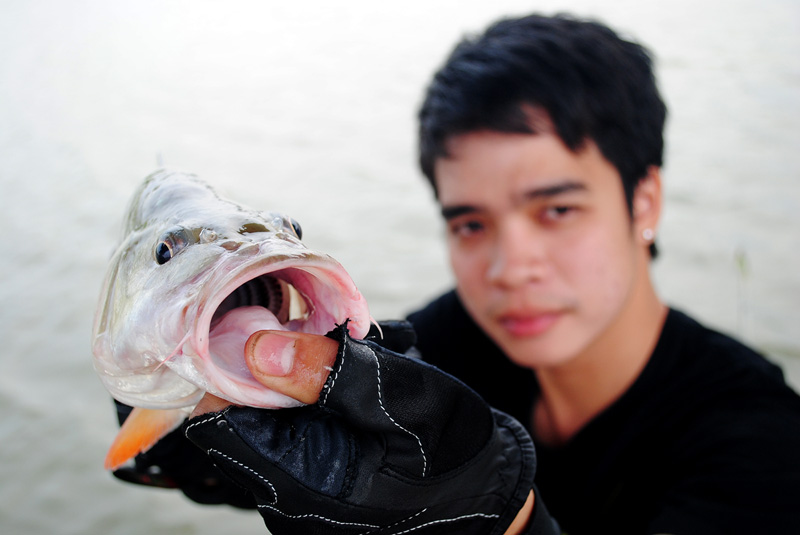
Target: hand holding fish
x=391, y=445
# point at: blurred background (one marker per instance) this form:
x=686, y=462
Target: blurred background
x=308, y=107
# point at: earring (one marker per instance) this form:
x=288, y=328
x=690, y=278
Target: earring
x=648, y=234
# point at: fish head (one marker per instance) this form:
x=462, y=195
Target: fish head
x=193, y=277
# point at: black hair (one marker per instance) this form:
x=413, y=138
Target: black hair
x=591, y=83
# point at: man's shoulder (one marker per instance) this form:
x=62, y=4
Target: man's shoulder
x=703, y=395
x=722, y=392
x=709, y=430
x=734, y=433
x=703, y=353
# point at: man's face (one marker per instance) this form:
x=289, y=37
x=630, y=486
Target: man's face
x=541, y=242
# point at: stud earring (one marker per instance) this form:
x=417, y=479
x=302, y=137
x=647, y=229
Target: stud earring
x=648, y=234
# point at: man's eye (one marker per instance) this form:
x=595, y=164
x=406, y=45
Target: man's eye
x=466, y=229
x=556, y=213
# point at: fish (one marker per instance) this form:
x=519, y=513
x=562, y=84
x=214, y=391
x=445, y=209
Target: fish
x=194, y=275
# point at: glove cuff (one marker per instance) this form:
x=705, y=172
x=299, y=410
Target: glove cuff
x=521, y=453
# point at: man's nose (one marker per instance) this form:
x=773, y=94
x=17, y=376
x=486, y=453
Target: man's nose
x=518, y=257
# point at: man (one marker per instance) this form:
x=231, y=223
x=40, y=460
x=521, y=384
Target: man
x=542, y=139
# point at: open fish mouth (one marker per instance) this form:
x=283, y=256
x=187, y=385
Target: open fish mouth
x=310, y=295
x=268, y=291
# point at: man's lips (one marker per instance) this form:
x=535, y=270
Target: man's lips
x=529, y=323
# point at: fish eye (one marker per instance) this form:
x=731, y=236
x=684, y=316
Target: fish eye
x=171, y=244
x=297, y=229
x=163, y=252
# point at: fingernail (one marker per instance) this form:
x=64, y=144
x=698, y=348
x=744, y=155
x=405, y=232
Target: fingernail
x=273, y=354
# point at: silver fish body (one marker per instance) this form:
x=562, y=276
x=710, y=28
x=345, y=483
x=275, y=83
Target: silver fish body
x=192, y=278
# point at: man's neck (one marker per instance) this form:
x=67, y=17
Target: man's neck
x=574, y=393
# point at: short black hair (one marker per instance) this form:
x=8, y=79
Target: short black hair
x=591, y=83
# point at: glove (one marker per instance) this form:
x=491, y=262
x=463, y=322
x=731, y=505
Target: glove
x=393, y=446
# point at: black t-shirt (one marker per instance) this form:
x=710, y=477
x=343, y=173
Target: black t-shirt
x=706, y=441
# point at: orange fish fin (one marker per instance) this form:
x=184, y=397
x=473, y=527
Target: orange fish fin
x=140, y=431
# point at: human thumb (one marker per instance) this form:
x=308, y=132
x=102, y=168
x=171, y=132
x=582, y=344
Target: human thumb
x=294, y=364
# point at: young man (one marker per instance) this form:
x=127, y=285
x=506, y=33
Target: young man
x=542, y=139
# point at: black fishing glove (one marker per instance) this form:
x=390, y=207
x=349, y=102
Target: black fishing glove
x=393, y=446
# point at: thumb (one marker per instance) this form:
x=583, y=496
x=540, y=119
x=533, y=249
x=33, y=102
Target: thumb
x=294, y=364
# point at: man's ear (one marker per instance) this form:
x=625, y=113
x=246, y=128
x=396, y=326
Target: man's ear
x=647, y=206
